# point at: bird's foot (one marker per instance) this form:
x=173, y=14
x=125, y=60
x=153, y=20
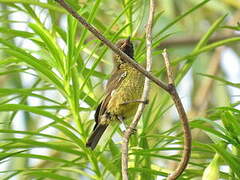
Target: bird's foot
x=123, y=126
x=134, y=131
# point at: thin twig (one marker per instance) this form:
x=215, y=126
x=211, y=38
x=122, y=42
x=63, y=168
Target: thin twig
x=111, y=45
x=168, y=68
x=182, y=114
x=144, y=97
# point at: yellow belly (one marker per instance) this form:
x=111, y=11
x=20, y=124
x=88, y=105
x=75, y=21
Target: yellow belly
x=130, y=90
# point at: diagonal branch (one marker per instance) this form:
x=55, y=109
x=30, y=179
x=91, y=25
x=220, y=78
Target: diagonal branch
x=125, y=57
x=182, y=114
x=144, y=97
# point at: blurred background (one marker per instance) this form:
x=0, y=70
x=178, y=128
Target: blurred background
x=53, y=72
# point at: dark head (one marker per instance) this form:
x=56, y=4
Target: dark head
x=127, y=47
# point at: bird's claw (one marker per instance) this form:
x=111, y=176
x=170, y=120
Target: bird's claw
x=146, y=101
x=134, y=130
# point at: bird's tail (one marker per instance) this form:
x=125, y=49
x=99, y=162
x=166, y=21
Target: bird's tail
x=96, y=135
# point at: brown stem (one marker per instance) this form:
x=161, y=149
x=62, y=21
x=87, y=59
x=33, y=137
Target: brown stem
x=182, y=114
x=144, y=97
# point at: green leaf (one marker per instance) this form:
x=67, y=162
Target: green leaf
x=48, y=174
x=27, y=92
x=34, y=62
x=181, y=17
x=150, y=171
x=64, y=147
x=37, y=156
x=15, y=107
x=7, y=155
x=14, y=32
x=33, y=2
x=51, y=44
x=237, y=85
x=228, y=157
x=207, y=35
x=199, y=46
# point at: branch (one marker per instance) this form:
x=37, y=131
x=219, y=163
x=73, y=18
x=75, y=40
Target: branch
x=116, y=50
x=189, y=41
x=144, y=97
x=182, y=114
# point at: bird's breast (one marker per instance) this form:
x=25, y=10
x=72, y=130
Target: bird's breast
x=122, y=99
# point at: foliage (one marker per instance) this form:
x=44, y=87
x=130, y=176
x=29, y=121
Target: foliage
x=52, y=71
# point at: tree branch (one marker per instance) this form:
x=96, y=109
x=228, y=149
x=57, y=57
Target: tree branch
x=182, y=114
x=133, y=125
x=189, y=41
x=125, y=57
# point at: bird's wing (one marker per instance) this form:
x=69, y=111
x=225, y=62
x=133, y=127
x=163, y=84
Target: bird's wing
x=113, y=83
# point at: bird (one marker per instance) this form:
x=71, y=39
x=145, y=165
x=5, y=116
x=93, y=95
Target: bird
x=122, y=95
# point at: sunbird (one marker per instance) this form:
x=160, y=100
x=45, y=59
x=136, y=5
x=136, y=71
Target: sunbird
x=122, y=95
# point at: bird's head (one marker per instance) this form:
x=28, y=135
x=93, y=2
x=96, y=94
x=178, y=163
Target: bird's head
x=127, y=47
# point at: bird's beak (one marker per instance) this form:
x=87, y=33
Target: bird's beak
x=127, y=42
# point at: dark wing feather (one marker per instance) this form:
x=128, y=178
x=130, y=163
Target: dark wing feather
x=95, y=136
x=98, y=130
x=96, y=115
x=113, y=83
